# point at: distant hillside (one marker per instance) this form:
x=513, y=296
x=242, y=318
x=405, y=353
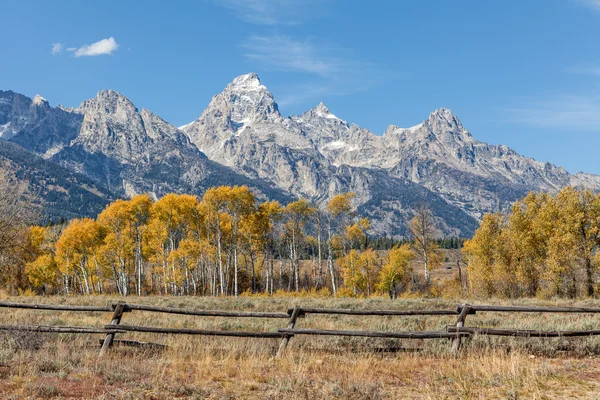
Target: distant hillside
x=60, y=192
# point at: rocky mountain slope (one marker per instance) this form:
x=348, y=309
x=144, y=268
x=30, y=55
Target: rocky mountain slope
x=57, y=191
x=110, y=141
x=443, y=156
x=243, y=128
x=242, y=138
x=36, y=126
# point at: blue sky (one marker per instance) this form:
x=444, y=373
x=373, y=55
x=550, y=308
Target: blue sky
x=524, y=73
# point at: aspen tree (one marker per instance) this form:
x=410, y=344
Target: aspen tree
x=396, y=270
x=215, y=200
x=480, y=251
x=298, y=214
x=423, y=232
x=339, y=214
x=239, y=205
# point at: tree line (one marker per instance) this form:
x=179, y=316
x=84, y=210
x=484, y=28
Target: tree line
x=548, y=245
x=227, y=243
x=224, y=243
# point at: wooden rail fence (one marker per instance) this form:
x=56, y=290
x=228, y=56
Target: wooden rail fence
x=454, y=332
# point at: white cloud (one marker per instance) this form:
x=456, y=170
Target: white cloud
x=275, y=12
x=580, y=113
x=327, y=69
x=593, y=4
x=286, y=54
x=56, y=48
x=588, y=70
x=104, y=46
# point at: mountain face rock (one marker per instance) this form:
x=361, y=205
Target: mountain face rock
x=443, y=156
x=34, y=125
x=244, y=110
x=131, y=151
x=312, y=155
x=107, y=148
x=113, y=125
x=124, y=150
x=134, y=152
x=242, y=128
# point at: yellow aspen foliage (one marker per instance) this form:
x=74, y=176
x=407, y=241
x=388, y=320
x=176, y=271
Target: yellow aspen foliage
x=337, y=243
x=240, y=205
x=396, y=270
x=481, y=253
x=582, y=216
x=298, y=214
x=354, y=235
x=360, y=271
x=173, y=219
x=341, y=204
x=350, y=265
x=42, y=272
x=364, y=224
x=368, y=268
x=77, y=253
x=547, y=245
x=37, y=237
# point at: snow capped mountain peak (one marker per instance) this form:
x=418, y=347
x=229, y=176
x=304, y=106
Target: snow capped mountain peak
x=443, y=112
x=71, y=110
x=395, y=128
x=313, y=155
x=441, y=124
x=249, y=81
x=322, y=108
x=391, y=129
x=39, y=101
x=322, y=111
x=240, y=108
x=245, y=100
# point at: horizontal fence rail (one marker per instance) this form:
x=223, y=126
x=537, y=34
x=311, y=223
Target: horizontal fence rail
x=455, y=332
x=182, y=331
x=521, y=332
x=206, y=313
x=57, y=307
x=57, y=329
x=541, y=309
x=398, y=335
x=343, y=311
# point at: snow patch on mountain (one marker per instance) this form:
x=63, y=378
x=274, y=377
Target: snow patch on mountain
x=39, y=100
x=5, y=129
x=242, y=137
x=439, y=153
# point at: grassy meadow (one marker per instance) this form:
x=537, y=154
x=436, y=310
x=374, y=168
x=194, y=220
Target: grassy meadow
x=67, y=366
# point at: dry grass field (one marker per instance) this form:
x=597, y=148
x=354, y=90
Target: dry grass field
x=67, y=365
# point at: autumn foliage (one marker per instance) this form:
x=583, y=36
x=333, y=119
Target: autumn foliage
x=225, y=243
x=547, y=246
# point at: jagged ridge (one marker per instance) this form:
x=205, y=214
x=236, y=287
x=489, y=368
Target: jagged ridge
x=243, y=138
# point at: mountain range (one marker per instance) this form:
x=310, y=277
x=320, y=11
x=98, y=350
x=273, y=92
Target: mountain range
x=78, y=159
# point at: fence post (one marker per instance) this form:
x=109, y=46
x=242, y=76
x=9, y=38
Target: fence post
x=460, y=322
x=116, y=320
x=291, y=324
